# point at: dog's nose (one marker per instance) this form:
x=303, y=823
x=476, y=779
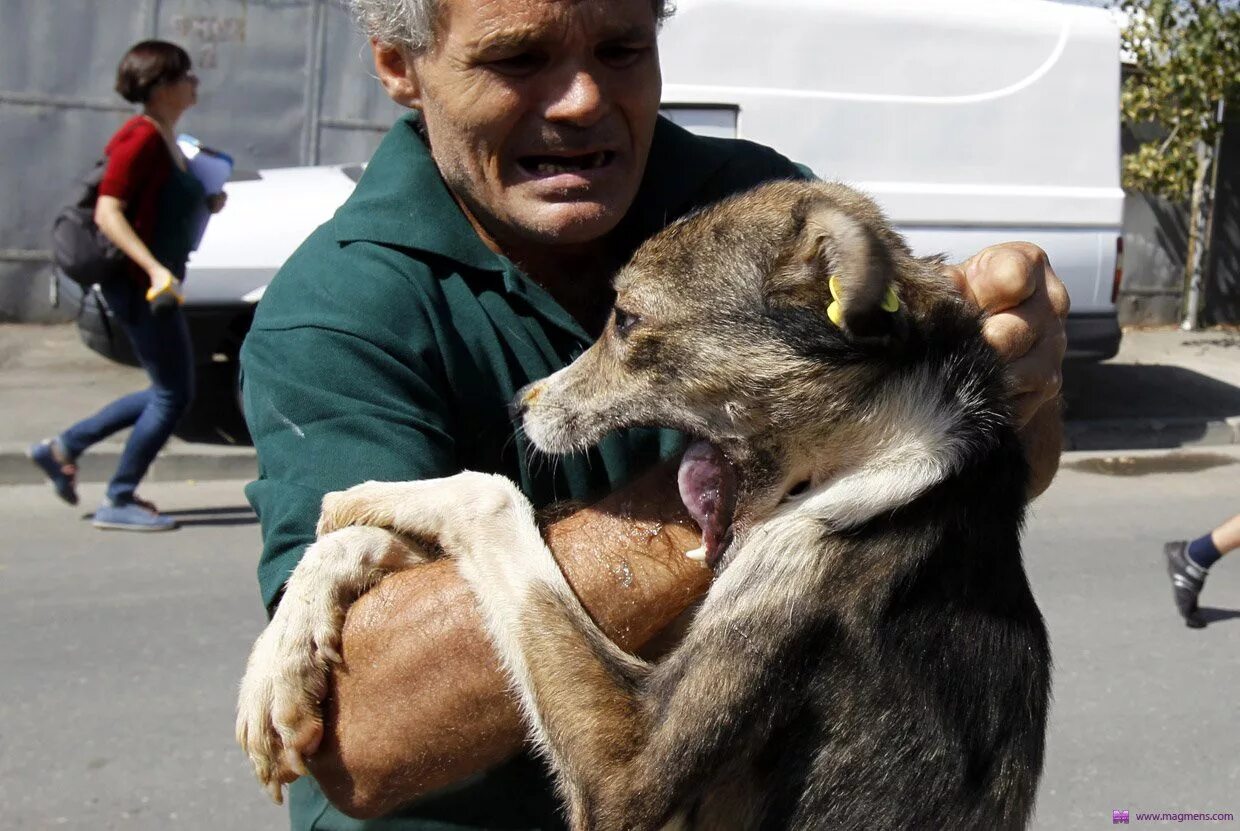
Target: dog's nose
x=525, y=397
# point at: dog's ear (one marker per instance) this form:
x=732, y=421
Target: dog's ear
x=840, y=267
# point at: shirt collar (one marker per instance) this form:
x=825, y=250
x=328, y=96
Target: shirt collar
x=402, y=201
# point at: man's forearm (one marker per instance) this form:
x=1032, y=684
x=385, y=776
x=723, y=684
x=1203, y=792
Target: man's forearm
x=420, y=701
x=1042, y=437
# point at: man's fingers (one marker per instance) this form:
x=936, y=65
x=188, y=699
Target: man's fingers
x=1002, y=277
x=1012, y=334
x=1057, y=294
x=1039, y=368
x=1036, y=378
x=1025, y=304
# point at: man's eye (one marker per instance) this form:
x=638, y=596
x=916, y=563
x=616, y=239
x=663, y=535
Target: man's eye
x=525, y=63
x=620, y=55
x=625, y=321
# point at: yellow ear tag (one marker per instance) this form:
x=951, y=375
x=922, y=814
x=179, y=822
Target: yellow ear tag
x=833, y=283
x=835, y=312
x=891, y=302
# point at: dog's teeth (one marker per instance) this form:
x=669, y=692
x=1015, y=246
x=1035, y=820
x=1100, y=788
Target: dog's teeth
x=698, y=553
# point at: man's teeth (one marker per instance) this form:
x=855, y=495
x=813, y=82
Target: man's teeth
x=580, y=163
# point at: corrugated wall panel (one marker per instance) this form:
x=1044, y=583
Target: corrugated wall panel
x=284, y=82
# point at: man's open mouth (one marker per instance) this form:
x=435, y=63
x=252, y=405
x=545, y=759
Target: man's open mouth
x=565, y=163
x=707, y=483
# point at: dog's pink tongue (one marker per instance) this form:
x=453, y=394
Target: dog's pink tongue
x=708, y=488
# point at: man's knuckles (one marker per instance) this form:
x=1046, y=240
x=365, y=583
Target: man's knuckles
x=1057, y=294
x=1010, y=334
x=1004, y=276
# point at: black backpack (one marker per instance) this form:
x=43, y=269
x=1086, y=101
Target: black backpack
x=79, y=248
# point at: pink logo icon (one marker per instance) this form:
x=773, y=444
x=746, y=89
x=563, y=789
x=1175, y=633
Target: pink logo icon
x=1119, y=817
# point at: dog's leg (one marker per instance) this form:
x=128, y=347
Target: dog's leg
x=632, y=745
x=627, y=745
x=487, y=526
x=279, y=721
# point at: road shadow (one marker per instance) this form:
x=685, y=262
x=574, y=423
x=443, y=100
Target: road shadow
x=1114, y=391
x=227, y=516
x=1164, y=406
x=223, y=516
x=1210, y=614
x=237, y=509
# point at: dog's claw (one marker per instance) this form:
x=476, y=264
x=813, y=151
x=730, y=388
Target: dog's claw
x=279, y=722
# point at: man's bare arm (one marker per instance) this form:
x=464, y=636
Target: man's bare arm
x=420, y=701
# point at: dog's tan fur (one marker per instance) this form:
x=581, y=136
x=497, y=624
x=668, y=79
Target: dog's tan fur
x=720, y=332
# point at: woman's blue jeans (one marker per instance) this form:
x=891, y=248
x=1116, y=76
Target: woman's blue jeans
x=162, y=344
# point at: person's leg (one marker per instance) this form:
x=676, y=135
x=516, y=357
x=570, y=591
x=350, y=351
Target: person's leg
x=1226, y=537
x=57, y=456
x=113, y=418
x=163, y=345
x=1188, y=564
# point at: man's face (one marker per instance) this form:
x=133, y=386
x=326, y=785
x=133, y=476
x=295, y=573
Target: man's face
x=540, y=113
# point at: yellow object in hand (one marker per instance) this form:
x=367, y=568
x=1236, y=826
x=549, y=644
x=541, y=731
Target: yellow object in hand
x=164, y=297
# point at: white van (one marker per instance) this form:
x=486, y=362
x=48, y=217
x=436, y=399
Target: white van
x=971, y=121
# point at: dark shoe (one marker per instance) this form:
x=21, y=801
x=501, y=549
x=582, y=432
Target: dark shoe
x=131, y=516
x=1187, y=580
x=45, y=454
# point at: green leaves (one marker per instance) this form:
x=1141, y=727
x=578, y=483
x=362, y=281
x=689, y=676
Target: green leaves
x=1187, y=55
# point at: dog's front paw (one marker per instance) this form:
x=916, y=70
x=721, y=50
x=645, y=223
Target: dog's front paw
x=368, y=504
x=279, y=717
x=446, y=512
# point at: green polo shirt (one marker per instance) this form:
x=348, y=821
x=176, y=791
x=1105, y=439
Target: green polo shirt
x=388, y=348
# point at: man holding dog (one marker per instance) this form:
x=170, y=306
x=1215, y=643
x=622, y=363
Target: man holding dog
x=474, y=257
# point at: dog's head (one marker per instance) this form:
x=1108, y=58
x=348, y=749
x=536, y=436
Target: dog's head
x=757, y=326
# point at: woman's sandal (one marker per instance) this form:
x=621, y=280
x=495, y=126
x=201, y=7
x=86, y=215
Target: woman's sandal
x=47, y=456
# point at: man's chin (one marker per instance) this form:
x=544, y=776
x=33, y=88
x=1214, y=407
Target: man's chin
x=567, y=223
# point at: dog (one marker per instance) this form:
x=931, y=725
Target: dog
x=869, y=654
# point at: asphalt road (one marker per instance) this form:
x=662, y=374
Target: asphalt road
x=119, y=654
x=119, y=657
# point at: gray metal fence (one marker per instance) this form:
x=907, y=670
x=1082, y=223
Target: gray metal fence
x=283, y=82
x=1156, y=247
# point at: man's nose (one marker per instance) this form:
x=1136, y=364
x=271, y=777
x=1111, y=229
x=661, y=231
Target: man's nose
x=578, y=99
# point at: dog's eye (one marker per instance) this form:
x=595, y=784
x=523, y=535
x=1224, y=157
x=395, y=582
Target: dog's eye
x=625, y=321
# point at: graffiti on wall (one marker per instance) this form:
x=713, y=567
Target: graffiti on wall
x=203, y=34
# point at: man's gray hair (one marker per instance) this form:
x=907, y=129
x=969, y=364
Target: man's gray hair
x=411, y=23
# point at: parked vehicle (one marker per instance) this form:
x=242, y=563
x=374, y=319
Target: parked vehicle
x=971, y=121
x=269, y=214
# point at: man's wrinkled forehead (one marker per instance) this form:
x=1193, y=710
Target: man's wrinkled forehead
x=492, y=24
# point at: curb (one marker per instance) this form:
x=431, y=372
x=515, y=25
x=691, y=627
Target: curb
x=180, y=462
x=1150, y=433
x=203, y=461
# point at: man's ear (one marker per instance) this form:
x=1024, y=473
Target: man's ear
x=840, y=268
x=394, y=66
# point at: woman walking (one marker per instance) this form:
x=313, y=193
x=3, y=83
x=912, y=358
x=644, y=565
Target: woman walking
x=147, y=201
